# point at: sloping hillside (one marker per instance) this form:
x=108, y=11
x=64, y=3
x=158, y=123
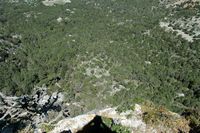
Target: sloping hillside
x=104, y=53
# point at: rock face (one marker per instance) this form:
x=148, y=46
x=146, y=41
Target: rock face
x=32, y=109
x=134, y=121
x=131, y=119
x=35, y=110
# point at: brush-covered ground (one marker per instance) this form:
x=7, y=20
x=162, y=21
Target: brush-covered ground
x=104, y=52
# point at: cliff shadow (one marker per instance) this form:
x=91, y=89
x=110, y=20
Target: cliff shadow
x=96, y=126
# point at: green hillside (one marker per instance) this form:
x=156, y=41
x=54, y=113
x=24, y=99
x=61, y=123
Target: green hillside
x=102, y=52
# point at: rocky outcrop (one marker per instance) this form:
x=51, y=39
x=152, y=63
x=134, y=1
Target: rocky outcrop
x=28, y=109
x=130, y=119
x=133, y=120
x=34, y=111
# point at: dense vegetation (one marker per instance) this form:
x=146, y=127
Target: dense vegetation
x=119, y=36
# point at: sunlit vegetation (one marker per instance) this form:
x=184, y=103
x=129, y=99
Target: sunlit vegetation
x=143, y=59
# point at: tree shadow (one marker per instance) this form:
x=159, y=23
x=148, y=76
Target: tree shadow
x=96, y=126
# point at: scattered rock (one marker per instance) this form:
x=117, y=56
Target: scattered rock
x=55, y=2
x=168, y=28
x=59, y=20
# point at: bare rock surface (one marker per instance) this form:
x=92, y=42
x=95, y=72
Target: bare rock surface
x=33, y=109
x=55, y=2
